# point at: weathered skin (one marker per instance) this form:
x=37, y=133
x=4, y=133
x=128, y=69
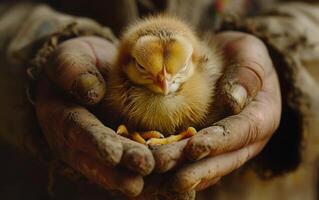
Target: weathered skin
x=298, y=70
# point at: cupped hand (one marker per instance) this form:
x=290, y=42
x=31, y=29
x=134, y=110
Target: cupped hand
x=77, y=70
x=250, y=89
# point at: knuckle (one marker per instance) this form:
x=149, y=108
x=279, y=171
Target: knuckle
x=251, y=75
x=59, y=64
x=70, y=56
x=257, y=68
x=242, y=39
x=63, y=61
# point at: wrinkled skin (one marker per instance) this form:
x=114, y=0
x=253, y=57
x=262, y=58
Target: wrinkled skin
x=79, y=67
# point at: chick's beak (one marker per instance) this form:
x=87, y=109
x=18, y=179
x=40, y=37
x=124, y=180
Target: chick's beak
x=164, y=86
x=162, y=82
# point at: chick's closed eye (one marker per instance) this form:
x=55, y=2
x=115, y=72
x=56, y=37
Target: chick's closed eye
x=167, y=62
x=139, y=67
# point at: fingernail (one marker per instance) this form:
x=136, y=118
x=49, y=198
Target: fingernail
x=89, y=88
x=239, y=95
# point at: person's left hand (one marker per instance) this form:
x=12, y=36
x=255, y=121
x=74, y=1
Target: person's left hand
x=76, y=70
x=251, y=89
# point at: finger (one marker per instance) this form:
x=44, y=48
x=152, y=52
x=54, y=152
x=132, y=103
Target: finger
x=129, y=183
x=78, y=146
x=192, y=175
x=169, y=156
x=137, y=157
x=247, y=65
x=77, y=128
x=75, y=65
x=256, y=122
x=105, y=52
x=70, y=126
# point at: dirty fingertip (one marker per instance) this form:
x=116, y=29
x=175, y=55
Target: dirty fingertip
x=89, y=88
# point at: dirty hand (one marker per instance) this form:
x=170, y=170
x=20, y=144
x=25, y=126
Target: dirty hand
x=251, y=88
x=78, y=68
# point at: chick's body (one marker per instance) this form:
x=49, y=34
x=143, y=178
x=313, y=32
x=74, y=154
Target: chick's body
x=164, y=77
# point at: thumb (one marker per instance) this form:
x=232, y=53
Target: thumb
x=246, y=57
x=76, y=67
x=240, y=85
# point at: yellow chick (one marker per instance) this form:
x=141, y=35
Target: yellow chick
x=163, y=80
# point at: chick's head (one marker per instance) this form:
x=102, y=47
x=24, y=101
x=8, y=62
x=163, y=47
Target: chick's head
x=160, y=62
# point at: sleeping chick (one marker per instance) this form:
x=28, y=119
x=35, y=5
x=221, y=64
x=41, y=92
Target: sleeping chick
x=163, y=81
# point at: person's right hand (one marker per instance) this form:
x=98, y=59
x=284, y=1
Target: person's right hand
x=250, y=87
x=78, y=67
